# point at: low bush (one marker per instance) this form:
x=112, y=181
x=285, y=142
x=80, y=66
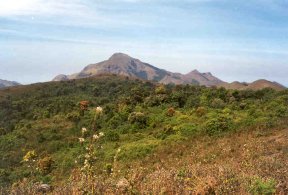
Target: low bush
x=218, y=124
x=263, y=187
x=138, y=118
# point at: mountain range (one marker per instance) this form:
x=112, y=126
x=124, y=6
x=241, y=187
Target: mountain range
x=5, y=83
x=123, y=64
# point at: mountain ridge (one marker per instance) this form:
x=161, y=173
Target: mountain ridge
x=123, y=64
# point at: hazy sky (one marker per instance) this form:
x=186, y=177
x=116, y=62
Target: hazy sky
x=234, y=39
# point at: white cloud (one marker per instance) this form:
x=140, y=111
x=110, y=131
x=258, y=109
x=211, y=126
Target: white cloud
x=13, y=7
x=85, y=13
x=42, y=7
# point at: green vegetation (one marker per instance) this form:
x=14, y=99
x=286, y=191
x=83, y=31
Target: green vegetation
x=260, y=186
x=43, y=122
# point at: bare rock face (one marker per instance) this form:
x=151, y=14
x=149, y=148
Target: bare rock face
x=122, y=64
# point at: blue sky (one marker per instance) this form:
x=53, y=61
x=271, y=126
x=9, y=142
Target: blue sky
x=233, y=39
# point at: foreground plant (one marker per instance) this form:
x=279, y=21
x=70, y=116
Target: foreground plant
x=88, y=158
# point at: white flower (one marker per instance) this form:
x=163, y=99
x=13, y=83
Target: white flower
x=99, y=109
x=81, y=140
x=95, y=137
x=84, y=130
x=119, y=150
x=101, y=134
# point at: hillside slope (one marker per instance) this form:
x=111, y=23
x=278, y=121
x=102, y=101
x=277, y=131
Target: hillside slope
x=98, y=131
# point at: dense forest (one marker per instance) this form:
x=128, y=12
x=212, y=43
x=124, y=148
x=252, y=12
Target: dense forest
x=112, y=134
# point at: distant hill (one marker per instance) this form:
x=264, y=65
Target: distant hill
x=256, y=85
x=122, y=64
x=5, y=83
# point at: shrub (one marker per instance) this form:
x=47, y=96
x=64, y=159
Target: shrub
x=192, y=101
x=218, y=124
x=45, y=165
x=217, y=103
x=112, y=136
x=2, y=131
x=201, y=111
x=263, y=187
x=46, y=114
x=168, y=130
x=188, y=129
x=160, y=89
x=73, y=116
x=170, y=112
x=109, y=168
x=3, y=176
x=138, y=118
x=115, y=121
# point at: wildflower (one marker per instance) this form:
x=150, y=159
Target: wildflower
x=119, y=150
x=30, y=155
x=101, y=134
x=86, y=163
x=95, y=137
x=84, y=130
x=99, y=110
x=81, y=140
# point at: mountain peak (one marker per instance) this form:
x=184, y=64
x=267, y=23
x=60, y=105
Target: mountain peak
x=119, y=55
x=194, y=71
x=125, y=65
